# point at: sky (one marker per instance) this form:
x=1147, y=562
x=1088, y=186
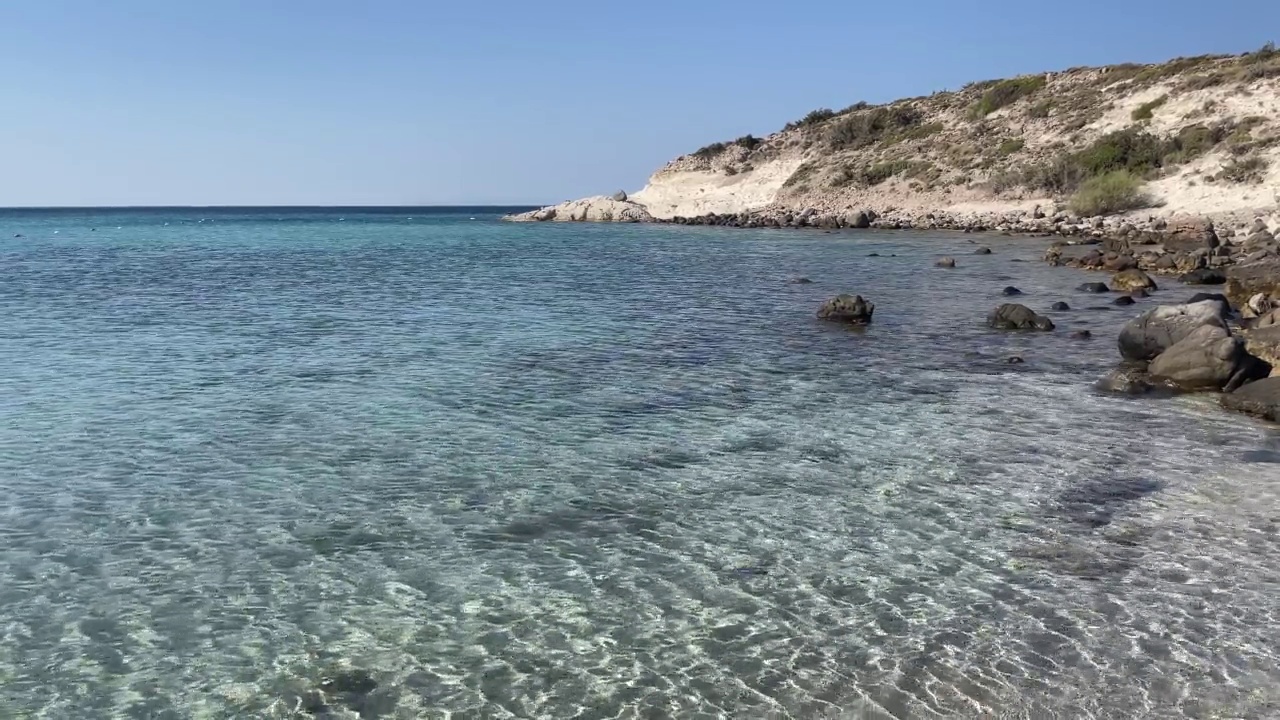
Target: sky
x=400, y=102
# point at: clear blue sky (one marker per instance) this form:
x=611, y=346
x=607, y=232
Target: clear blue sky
x=137, y=102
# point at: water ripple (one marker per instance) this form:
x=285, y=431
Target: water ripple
x=286, y=466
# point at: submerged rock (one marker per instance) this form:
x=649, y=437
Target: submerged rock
x=1095, y=287
x=982, y=251
x=946, y=262
x=1204, y=276
x=1123, y=300
x=1011, y=290
x=1012, y=316
x=801, y=281
x=1132, y=280
x=1127, y=380
x=1060, y=306
x=848, y=309
x=1081, y=335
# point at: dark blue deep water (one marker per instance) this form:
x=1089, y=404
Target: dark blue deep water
x=412, y=463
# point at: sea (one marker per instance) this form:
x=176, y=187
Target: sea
x=421, y=463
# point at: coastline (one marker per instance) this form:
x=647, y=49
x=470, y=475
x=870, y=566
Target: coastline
x=1241, y=269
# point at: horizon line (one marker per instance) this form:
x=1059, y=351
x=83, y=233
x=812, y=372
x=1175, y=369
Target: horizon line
x=240, y=207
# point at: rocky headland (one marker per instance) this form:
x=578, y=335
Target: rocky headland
x=1138, y=171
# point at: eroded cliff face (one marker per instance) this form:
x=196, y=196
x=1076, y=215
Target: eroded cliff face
x=1197, y=136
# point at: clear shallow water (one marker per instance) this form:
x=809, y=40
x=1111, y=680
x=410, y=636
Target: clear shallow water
x=594, y=471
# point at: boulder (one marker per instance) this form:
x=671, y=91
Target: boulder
x=1260, y=399
x=859, y=220
x=1132, y=280
x=1012, y=316
x=1185, y=235
x=1095, y=287
x=848, y=309
x=1269, y=319
x=1160, y=328
x=1208, y=358
x=1264, y=342
x=620, y=196
x=946, y=262
x=1216, y=297
x=1245, y=281
x=1119, y=263
x=1259, y=240
x=1204, y=276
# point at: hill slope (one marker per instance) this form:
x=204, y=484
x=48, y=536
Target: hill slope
x=1190, y=136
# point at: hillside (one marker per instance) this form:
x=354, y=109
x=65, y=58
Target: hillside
x=1191, y=136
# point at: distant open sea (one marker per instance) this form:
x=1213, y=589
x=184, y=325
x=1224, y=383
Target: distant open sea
x=418, y=463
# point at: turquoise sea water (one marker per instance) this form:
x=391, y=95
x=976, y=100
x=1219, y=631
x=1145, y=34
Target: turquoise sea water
x=407, y=463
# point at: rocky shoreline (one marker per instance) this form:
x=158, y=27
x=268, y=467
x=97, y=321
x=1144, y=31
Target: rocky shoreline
x=1226, y=341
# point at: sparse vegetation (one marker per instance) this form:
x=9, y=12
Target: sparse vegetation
x=1040, y=110
x=710, y=151
x=750, y=142
x=1263, y=54
x=919, y=132
x=1114, y=192
x=1248, y=169
x=1146, y=110
x=866, y=127
x=1011, y=146
x=815, y=117
x=802, y=174
x=1173, y=68
x=1005, y=93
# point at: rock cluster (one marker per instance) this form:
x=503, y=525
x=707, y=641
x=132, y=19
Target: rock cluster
x=1186, y=348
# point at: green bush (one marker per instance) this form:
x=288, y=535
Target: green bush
x=1146, y=110
x=710, y=151
x=815, y=117
x=801, y=174
x=923, y=131
x=1132, y=149
x=1249, y=169
x=867, y=127
x=750, y=142
x=1261, y=55
x=878, y=173
x=1011, y=146
x=1176, y=66
x=1040, y=109
x=1107, y=194
x=1007, y=92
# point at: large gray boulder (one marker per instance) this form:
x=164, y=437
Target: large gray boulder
x=848, y=309
x=1160, y=328
x=1261, y=398
x=1012, y=316
x=1208, y=358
